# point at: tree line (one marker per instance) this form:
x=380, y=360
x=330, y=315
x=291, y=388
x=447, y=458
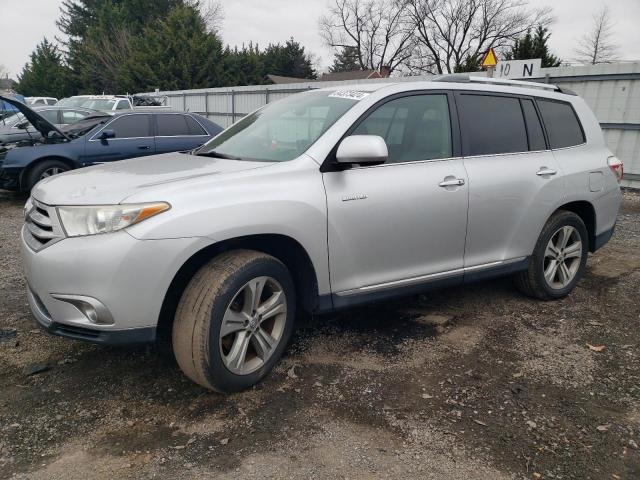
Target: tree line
x=118, y=46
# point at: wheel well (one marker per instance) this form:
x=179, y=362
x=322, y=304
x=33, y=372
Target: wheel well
x=32, y=165
x=588, y=215
x=284, y=248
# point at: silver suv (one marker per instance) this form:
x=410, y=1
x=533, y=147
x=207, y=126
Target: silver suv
x=320, y=201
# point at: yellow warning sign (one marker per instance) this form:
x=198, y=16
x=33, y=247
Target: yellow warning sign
x=490, y=59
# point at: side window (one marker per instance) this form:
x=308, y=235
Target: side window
x=534, y=128
x=563, y=126
x=415, y=128
x=50, y=115
x=51, y=101
x=72, y=116
x=172, y=125
x=122, y=105
x=194, y=127
x=491, y=125
x=39, y=101
x=131, y=126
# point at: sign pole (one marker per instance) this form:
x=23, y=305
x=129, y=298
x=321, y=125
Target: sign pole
x=490, y=71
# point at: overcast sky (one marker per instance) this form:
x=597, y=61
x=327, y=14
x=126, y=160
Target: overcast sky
x=23, y=23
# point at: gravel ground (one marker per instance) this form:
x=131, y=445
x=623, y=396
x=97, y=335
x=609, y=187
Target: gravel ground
x=465, y=383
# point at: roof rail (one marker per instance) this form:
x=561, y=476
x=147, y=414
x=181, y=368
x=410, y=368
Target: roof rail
x=497, y=81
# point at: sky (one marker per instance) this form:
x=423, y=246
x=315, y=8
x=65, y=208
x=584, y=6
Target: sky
x=24, y=23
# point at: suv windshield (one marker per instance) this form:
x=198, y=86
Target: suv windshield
x=282, y=130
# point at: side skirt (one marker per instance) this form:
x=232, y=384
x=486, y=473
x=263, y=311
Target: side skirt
x=336, y=301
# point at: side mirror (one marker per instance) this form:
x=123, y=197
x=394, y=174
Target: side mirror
x=107, y=134
x=23, y=125
x=362, y=149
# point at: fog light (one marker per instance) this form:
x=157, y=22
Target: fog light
x=91, y=308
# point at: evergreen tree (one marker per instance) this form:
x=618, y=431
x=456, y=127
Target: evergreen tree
x=289, y=60
x=45, y=74
x=176, y=53
x=244, y=67
x=534, y=46
x=346, y=60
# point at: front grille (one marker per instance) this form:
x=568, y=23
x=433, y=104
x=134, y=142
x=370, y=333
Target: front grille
x=41, y=225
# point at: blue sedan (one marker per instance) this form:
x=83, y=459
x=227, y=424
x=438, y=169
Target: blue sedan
x=98, y=139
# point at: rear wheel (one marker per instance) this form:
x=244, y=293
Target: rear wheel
x=43, y=170
x=558, y=260
x=234, y=320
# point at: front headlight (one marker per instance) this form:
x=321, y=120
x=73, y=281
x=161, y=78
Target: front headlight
x=79, y=221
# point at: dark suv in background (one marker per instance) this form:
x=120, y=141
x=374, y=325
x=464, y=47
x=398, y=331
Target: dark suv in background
x=97, y=139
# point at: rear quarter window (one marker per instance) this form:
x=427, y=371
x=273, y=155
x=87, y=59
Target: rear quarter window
x=562, y=124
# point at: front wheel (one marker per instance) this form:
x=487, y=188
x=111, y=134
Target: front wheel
x=45, y=169
x=558, y=260
x=234, y=320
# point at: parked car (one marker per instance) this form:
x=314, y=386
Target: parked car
x=16, y=127
x=320, y=201
x=98, y=138
x=7, y=109
x=34, y=101
x=105, y=103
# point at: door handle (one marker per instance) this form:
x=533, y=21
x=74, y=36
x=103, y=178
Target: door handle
x=143, y=147
x=544, y=171
x=456, y=182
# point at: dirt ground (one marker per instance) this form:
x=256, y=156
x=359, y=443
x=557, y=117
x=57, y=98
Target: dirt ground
x=466, y=383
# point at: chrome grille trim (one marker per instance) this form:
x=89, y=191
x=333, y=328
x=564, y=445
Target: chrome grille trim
x=42, y=226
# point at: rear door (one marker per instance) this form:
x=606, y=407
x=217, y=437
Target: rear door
x=176, y=131
x=403, y=222
x=514, y=180
x=133, y=138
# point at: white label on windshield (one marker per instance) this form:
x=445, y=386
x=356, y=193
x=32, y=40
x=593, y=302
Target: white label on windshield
x=349, y=94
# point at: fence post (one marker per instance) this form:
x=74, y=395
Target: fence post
x=266, y=95
x=206, y=104
x=184, y=101
x=233, y=106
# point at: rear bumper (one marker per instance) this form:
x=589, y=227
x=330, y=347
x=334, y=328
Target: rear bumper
x=603, y=238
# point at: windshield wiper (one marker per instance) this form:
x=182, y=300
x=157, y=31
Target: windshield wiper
x=215, y=154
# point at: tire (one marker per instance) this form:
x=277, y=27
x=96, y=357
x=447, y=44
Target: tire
x=44, y=169
x=218, y=295
x=533, y=281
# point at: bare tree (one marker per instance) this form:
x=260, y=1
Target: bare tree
x=597, y=46
x=453, y=34
x=377, y=29
x=4, y=73
x=212, y=13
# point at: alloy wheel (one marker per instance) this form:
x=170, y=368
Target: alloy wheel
x=253, y=325
x=49, y=172
x=562, y=257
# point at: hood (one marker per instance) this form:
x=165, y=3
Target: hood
x=40, y=123
x=112, y=182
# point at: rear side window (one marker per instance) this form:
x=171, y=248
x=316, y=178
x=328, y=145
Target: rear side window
x=563, y=126
x=194, y=127
x=131, y=126
x=534, y=128
x=172, y=126
x=123, y=105
x=491, y=125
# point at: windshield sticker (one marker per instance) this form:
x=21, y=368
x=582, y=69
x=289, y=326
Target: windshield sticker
x=349, y=94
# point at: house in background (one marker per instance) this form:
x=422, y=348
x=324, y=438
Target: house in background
x=334, y=77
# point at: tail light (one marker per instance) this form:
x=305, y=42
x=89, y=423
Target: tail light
x=617, y=167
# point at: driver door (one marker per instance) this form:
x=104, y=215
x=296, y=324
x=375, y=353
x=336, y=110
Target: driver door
x=402, y=223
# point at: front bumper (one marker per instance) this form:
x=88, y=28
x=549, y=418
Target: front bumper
x=125, y=277
x=10, y=178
